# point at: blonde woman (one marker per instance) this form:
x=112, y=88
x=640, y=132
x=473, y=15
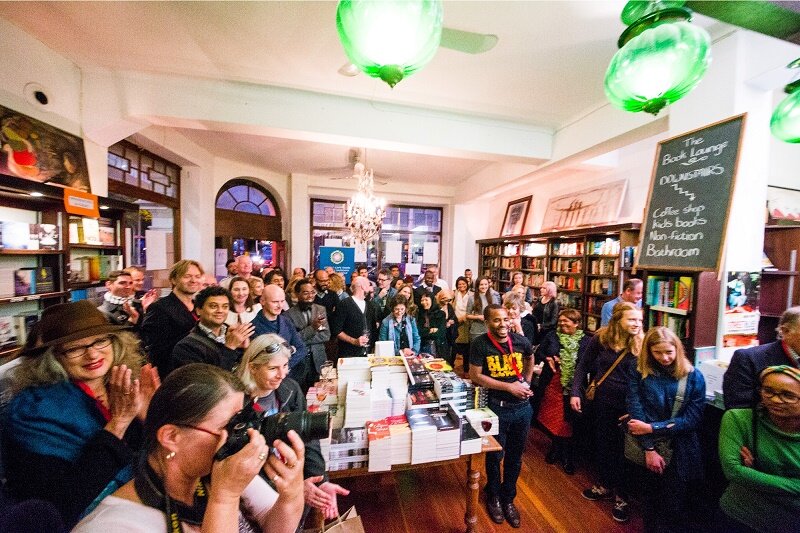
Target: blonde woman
x=661, y=372
x=546, y=310
x=264, y=370
x=607, y=359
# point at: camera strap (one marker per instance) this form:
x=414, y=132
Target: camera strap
x=150, y=490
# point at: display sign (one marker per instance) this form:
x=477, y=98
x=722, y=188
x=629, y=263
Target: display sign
x=341, y=258
x=689, y=200
x=81, y=203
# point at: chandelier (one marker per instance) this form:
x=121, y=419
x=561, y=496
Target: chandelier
x=364, y=214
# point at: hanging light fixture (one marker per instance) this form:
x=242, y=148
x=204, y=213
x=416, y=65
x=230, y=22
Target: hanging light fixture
x=389, y=39
x=364, y=213
x=662, y=57
x=785, y=121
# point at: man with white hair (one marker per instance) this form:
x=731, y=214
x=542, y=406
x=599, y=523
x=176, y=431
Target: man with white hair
x=244, y=267
x=353, y=319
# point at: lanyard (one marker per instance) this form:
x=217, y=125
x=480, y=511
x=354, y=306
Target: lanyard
x=150, y=490
x=510, y=351
x=794, y=359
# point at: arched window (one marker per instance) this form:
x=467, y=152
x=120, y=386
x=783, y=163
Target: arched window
x=246, y=197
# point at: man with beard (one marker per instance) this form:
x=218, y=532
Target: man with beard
x=171, y=318
x=311, y=322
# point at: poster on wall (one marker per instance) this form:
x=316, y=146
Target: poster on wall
x=740, y=322
x=342, y=259
x=39, y=152
x=594, y=206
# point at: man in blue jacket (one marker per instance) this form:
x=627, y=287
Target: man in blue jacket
x=270, y=320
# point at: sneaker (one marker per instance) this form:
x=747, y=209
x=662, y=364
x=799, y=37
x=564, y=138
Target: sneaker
x=596, y=493
x=620, y=512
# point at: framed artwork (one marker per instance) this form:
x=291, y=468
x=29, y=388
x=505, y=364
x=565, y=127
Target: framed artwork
x=39, y=152
x=516, y=215
x=588, y=207
x=783, y=206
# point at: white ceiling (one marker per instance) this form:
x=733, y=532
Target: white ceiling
x=546, y=70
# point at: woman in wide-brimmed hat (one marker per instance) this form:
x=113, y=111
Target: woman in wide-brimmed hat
x=79, y=395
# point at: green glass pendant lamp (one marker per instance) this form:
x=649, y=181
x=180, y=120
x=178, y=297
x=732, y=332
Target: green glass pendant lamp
x=389, y=39
x=661, y=57
x=785, y=121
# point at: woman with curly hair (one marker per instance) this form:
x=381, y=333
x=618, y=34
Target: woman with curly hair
x=74, y=421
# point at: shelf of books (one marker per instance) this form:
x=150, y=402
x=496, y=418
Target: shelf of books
x=94, y=251
x=533, y=262
x=567, y=271
x=668, y=302
x=490, y=261
x=510, y=262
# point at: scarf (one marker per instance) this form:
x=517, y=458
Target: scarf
x=116, y=300
x=394, y=326
x=568, y=355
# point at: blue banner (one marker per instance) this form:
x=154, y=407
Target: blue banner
x=341, y=258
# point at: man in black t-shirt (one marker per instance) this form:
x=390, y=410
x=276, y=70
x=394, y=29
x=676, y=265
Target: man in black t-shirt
x=502, y=361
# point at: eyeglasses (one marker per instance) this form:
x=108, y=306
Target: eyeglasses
x=276, y=347
x=785, y=397
x=383, y=279
x=78, y=351
x=447, y=300
x=198, y=428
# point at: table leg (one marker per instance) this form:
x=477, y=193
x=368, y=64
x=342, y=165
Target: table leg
x=473, y=485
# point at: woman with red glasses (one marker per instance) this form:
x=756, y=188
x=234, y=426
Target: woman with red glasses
x=79, y=396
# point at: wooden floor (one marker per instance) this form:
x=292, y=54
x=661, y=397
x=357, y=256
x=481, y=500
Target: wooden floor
x=433, y=500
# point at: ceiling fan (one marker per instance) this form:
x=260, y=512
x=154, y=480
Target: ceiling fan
x=356, y=167
x=461, y=41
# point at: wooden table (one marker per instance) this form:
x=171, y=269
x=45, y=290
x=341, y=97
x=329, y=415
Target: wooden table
x=473, y=477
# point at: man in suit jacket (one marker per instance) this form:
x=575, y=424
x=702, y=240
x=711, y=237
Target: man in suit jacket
x=740, y=385
x=325, y=297
x=428, y=284
x=171, y=318
x=353, y=320
x=311, y=322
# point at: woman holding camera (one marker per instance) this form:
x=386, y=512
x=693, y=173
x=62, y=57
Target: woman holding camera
x=79, y=395
x=264, y=371
x=172, y=490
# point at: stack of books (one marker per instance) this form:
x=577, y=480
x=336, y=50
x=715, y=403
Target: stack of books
x=418, y=376
x=357, y=404
x=484, y=421
x=351, y=369
x=401, y=439
x=380, y=446
x=398, y=395
x=348, y=449
x=423, y=436
x=380, y=404
x=450, y=389
x=448, y=434
x=471, y=442
x=388, y=373
x=422, y=399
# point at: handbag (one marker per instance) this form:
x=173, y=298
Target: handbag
x=591, y=390
x=635, y=453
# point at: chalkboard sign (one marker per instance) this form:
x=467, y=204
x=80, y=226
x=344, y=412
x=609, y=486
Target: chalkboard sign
x=690, y=195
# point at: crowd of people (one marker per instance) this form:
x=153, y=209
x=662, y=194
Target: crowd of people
x=114, y=413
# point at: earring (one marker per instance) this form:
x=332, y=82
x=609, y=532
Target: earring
x=169, y=456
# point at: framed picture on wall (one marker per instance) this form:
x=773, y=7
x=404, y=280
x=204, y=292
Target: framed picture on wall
x=516, y=215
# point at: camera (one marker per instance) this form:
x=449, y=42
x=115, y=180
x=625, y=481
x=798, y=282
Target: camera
x=309, y=426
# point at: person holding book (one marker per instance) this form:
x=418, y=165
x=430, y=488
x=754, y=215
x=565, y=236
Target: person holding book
x=400, y=328
x=631, y=292
x=759, y=449
x=666, y=397
x=502, y=362
x=605, y=361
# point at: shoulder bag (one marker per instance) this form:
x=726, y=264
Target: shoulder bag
x=591, y=390
x=633, y=449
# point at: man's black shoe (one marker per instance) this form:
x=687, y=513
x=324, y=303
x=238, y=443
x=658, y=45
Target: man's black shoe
x=569, y=466
x=511, y=513
x=494, y=509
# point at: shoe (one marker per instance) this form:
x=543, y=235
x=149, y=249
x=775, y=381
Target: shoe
x=596, y=493
x=568, y=466
x=620, y=512
x=494, y=509
x=511, y=513
x=552, y=456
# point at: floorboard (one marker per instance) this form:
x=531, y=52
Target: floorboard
x=433, y=500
